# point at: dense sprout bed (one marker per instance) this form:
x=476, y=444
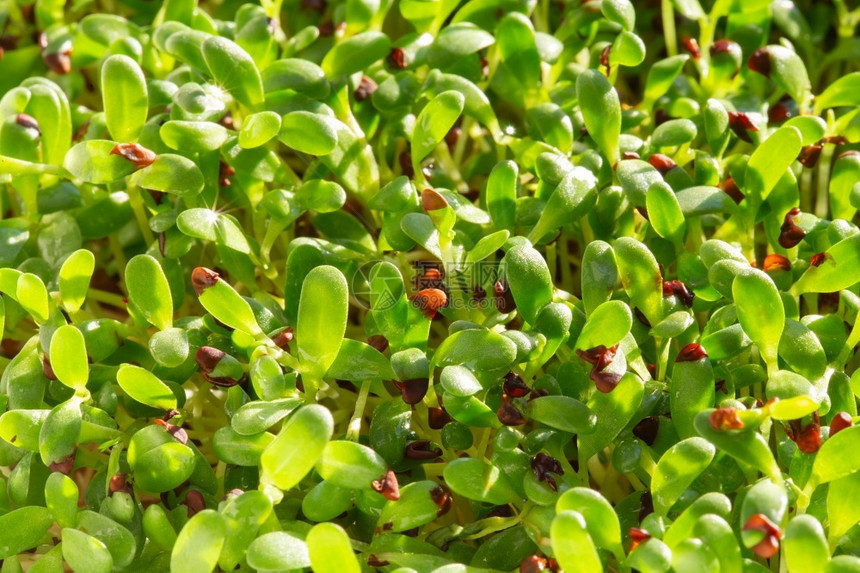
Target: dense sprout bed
x=429, y=285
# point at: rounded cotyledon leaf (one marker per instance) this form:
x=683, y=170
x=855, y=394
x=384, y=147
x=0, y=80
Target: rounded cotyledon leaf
x=199, y=543
x=142, y=385
x=477, y=349
x=563, y=413
x=355, y=53
x=171, y=173
x=85, y=553
x=600, y=518
x=760, y=311
x=640, y=276
x=23, y=529
x=434, y=122
x=330, y=550
x=529, y=279
x=839, y=269
x=60, y=432
x=770, y=160
x=124, y=95
x=321, y=321
x=480, y=481
x=278, y=551
x=677, y=469
x=74, y=279
x=350, y=465
x=298, y=447
x=308, y=132
x=259, y=128
x=223, y=302
x=233, y=69
x=31, y=294
x=92, y=161
x=573, y=546
x=601, y=111
x=149, y=290
x=607, y=325
x=69, y=357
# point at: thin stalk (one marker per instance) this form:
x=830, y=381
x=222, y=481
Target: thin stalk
x=136, y=201
x=353, y=431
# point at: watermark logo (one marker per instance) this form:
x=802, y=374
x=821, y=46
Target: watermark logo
x=466, y=285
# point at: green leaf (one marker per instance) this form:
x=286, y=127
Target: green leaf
x=433, y=123
x=149, y=291
x=233, y=69
x=572, y=199
x=310, y=133
x=839, y=270
x=601, y=111
x=608, y=324
x=194, y=135
x=320, y=196
x=640, y=277
x=770, y=160
x=563, y=413
x=330, y=550
x=599, y=275
x=480, y=481
x=350, y=465
x=459, y=381
x=69, y=357
x=23, y=529
x=573, y=546
x=842, y=516
x=842, y=92
x=171, y=173
x=259, y=128
x=501, y=195
x=661, y=75
x=244, y=515
x=74, y=279
x=837, y=457
x=691, y=390
x=477, y=349
x=258, y=416
x=91, y=161
x=124, y=96
x=238, y=449
x=804, y=544
x=600, y=518
x=760, y=311
x=358, y=361
x=60, y=432
x=278, y=551
x=61, y=497
x=619, y=11
x=85, y=553
x=118, y=540
x=224, y=303
x=199, y=543
x=745, y=445
x=33, y=296
x=677, y=469
x=283, y=463
x=664, y=212
x=143, y=386
x=628, y=49
x=457, y=41
x=159, y=463
x=355, y=54
x=529, y=280
x=321, y=322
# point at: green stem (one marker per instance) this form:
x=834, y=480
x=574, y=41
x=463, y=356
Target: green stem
x=136, y=201
x=668, y=13
x=353, y=431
